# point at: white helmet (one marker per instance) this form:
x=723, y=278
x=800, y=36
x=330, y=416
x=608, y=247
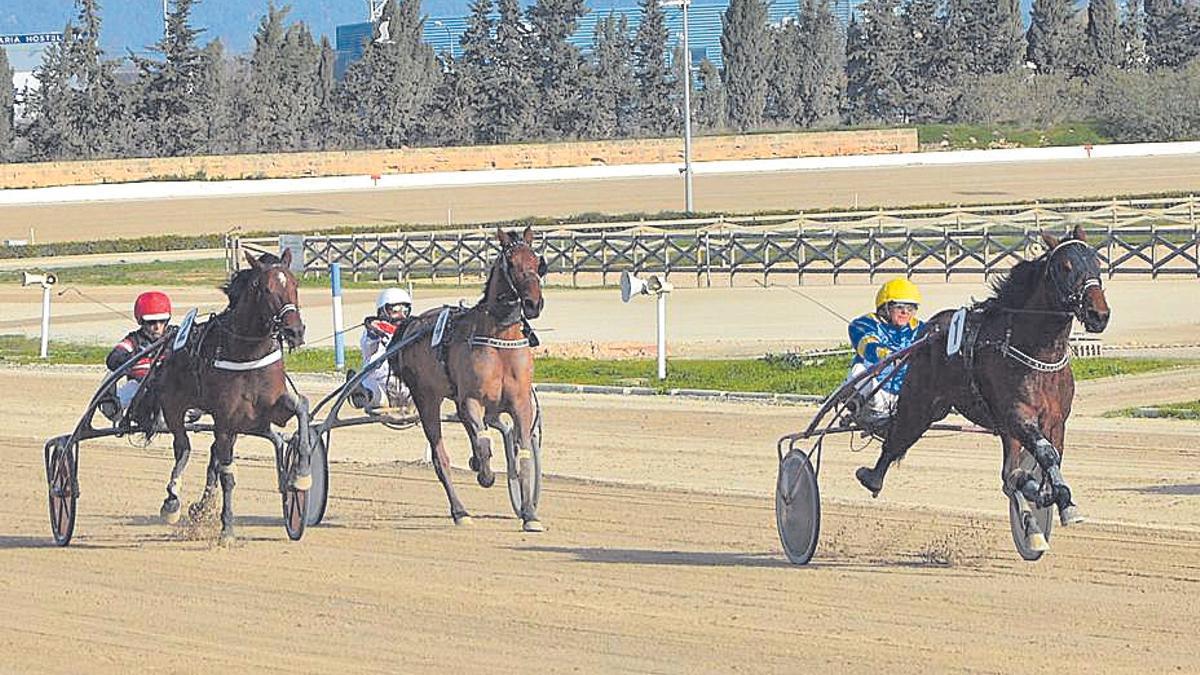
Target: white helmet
x=392, y=296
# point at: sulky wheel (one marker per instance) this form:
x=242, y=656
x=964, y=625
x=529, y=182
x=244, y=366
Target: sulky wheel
x=797, y=507
x=318, y=495
x=1043, y=516
x=295, y=502
x=532, y=466
x=61, y=466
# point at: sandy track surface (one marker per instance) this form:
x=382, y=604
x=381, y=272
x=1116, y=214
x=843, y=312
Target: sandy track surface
x=734, y=193
x=665, y=560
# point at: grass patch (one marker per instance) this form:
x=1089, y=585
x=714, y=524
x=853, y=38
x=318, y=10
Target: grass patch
x=773, y=375
x=1178, y=411
x=976, y=136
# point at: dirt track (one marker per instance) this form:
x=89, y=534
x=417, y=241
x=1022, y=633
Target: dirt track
x=735, y=193
x=682, y=573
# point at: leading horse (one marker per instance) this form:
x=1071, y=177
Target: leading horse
x=1011, y=372
x=483, y=363
x=232, y=368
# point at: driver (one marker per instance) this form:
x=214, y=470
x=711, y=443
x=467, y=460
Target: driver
x=152, y=310
x=392, y=309
x=891, y=327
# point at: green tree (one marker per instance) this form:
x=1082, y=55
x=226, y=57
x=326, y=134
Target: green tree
x=221, y=95
x=467, y=95
x=386, y=95
x=785, y=102
x=745, y=45
x=1053, y=38
x=1133, y=37
x=512, y=115
x=983, y=37
x=611, y=87
x=79, y=110
x=874, y=52
x=1172, y=32
x=558, y=66
x=822, y=65
x=708, y=105
x=926, y=73
x=655, y=91
x=169, y=114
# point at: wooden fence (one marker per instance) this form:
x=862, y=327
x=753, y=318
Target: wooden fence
x=1140, y=237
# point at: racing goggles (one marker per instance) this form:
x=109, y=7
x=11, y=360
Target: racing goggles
x=908, y=307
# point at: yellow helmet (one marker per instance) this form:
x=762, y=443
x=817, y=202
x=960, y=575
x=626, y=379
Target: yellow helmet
x=898, y=290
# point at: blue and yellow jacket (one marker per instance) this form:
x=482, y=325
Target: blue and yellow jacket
x=873, y=339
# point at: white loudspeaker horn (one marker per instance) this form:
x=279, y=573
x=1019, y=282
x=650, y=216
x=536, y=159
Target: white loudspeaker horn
x=28, y=279
x=631, y=286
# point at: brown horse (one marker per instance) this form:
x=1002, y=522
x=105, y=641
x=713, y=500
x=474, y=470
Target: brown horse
x=232, y=367
x=482, y=363
x=1010, y=374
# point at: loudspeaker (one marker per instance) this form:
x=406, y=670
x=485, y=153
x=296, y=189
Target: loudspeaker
x=631, y=286
x=48, y=279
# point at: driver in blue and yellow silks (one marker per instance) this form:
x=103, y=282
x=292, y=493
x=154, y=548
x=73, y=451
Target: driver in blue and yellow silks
x=891, y=327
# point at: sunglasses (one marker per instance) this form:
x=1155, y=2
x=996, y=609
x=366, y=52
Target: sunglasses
x=904, y=307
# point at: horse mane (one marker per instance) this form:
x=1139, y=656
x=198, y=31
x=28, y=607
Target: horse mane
x=1013, y=289
x=235, y=288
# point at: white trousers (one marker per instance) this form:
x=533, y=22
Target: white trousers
x=126, y=391
x=882, y=403
x=384, y=389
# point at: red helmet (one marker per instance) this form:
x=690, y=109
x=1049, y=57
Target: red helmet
x=152, y=306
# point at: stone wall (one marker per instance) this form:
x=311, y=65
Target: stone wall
x=472, y=158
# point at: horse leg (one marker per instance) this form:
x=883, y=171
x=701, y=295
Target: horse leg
x=909, y=423
x=1019, y=485
x=223, y=452
x=431, y=424
x=211, y=480
x=470, y=413
x=171, y=509
x=296, y=405
x=523, y=418
x=1050, y=459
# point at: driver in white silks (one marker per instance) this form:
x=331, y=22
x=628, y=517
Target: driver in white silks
x=891, y=327
x=380, y=389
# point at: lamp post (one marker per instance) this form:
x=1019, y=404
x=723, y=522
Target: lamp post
x=687, y=104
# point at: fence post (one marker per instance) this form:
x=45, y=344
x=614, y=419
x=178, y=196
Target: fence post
x=339, y=340
x=458, y=252
x=603, y=259
x=574, y=261
x=707, y=261
x=1109, y=251
x=1153, y=251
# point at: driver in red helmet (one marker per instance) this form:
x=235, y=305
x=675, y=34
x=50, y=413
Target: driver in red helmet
x=152, y=310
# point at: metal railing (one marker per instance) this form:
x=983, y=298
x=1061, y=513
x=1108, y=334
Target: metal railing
x=1144, y=237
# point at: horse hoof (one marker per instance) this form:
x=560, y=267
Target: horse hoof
x=301, y=482
x=1070, y=516
x=533, y=525
x=486, y=478
x=464, y=520
x=869, y=480
x=1037, y=542
x=170, y=516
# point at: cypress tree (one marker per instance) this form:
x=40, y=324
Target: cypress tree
x=926, y=74
x=170, y=116
x=785, y=102
x=709, y=103
x=745, y=45
x=1053, y=38
x=822, y=64
x=655, y=94
x=468, y=94
x=1104, y=48
x=221, y=95
x=1133, y=37
x=512, y=114
x=6, y=108
x=1171, y=32
x=873, y=56
x=558, y=65
x=610, y=112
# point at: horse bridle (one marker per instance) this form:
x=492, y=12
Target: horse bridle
x=274, y=324
x=513, y=301
x=1071, y=300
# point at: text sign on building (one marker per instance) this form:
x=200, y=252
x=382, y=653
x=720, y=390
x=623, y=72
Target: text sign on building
x=30, y=38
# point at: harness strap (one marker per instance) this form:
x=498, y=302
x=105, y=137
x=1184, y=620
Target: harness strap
x=240, y=366
x=1027, y=360
x=488, y=341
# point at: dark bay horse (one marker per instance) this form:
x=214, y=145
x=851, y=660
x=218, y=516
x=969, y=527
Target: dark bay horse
x=232, y=368
x=484, y=364
x=1011, y=374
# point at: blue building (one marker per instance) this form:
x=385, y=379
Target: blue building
x=446, y=21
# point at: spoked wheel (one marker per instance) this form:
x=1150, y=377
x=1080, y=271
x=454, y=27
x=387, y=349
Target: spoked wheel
x=797, y=507
x=318, y=496
x=61, y=466
x=1044, y=516
x=532, y=467
x=295, y=502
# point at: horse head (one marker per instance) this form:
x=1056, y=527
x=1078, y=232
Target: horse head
x=1073, y=270
x=522, y=270
x=271, y=288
